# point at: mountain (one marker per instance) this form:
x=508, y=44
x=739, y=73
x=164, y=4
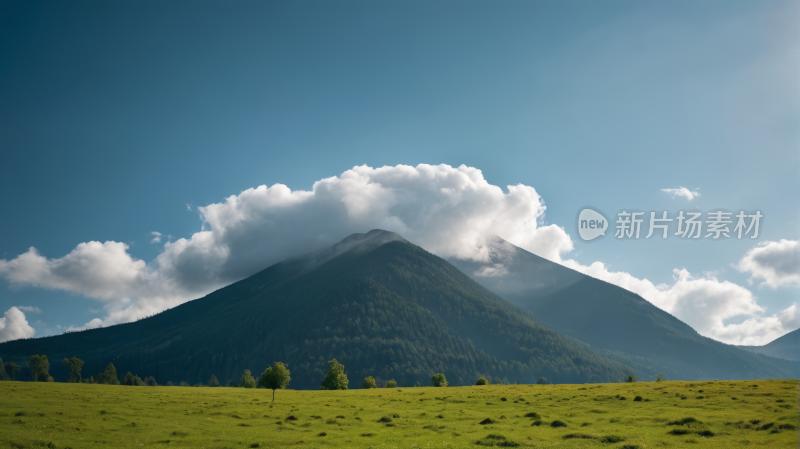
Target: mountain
x=786, y=347
x=618, y=323
x=378, y=304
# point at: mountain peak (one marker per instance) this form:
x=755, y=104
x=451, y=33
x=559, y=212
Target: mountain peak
x=358, y=242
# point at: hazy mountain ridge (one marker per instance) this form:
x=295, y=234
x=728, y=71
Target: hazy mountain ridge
x=618, y=323
x=785, y=347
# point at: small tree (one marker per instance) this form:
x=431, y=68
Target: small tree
x=497, y=381
x=110, y=375
x=275, y=377
x=438, y=380
x=127, y=379
x=391, y=384
x=213, y=382
x=232, y=383
x=40, y=368
x=13, y=368
x=368, y=382
x=541, y=381
x=481, y=381
x=151, y=382
x=247, y=380
x=73, y=366
x=170, y=384
x=335, y=378
x=660, y=377
x=631, y=378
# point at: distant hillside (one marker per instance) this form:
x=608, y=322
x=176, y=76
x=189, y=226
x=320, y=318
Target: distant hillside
x=619, y=323
x=786, y=347
x=380, y=305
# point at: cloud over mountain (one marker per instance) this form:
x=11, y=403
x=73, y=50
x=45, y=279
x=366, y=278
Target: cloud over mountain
x=447, y=210
x=450, y=211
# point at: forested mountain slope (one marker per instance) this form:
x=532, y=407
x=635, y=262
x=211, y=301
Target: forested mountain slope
x=378, y=304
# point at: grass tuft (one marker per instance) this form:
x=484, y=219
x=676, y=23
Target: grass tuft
x=582, y=436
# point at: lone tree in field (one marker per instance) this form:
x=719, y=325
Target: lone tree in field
x=368, y=382
x=13, y=368
x=247, y=380
x=275, y=377
x=438, y=380
x=213, y=382
x=391, y=384
x=335, y=378
x=151, y=382
x=39, y=368
x=631, y=378
x=73, y=366
x=481, y=381
x=541, y=381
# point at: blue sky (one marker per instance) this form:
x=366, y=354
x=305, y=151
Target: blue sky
x=115, y=117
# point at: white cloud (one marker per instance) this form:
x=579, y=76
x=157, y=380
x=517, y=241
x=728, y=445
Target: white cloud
x=684, y=192
x=156, y=237
x=448, y=211
x=29, y=309
x=14, y=326
x=775, y=263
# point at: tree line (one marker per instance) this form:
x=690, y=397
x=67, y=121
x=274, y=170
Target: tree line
x=274, y=377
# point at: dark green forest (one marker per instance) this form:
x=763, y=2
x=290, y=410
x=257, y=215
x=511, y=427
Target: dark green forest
x=391, y=311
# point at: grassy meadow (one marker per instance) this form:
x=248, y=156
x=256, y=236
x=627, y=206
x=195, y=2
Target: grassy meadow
x=721, y=414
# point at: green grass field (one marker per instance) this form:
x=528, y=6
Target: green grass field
x=668, y=414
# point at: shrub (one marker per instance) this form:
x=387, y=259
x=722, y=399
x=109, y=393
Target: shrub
x=533, y=415
x=151, y=382
x=391, y=384
x=213, y=382
x=637, y=399
x=335, y=378
x=438, y=380
x=558, y=423
x=481, y=381
x=611, y=439
x=660, y=377
x=385, y=419
x=248, y=381
x=541, y=381
x=368, y=382
x=631, y=378
x=487, y=421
